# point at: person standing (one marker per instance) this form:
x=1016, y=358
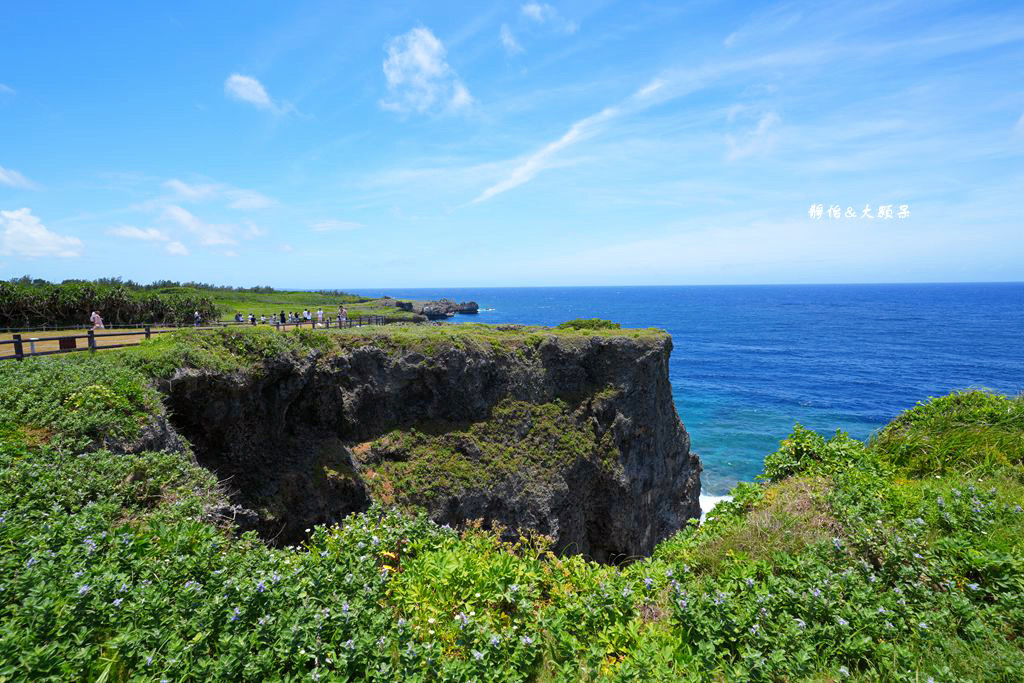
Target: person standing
x=320, y=316
x=195, y=318
x=282, y=317
x=96, y=320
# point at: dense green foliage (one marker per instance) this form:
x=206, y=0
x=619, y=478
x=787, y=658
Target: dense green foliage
x=589, y=324
x=44, y=304
x=868, y=561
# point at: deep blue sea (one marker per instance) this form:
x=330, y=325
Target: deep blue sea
x=750, y=361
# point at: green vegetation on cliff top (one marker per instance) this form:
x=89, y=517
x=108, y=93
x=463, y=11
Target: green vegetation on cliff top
x=897, y=559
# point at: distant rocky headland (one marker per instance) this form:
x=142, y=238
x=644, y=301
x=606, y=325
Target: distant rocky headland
x=431, y=310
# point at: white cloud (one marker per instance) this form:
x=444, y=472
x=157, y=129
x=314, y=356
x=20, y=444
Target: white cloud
x=757, y=141
x=543, y=13
x=287, y=248
x=145, y=234
x=12, y=178
x=177, y=249
x=7, y=90
x=25, y=235
x=512, y=45
x=1019, y=128
x=236, y=198
x=332, y=224
x=209, y=234
x=419, y=77
x=248, y=89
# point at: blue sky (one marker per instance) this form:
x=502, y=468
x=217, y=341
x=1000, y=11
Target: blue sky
x=362, y=145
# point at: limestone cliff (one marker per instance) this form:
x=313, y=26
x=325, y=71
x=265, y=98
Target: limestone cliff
x=574, y=436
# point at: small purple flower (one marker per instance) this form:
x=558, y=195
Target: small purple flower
x=149, y=660
x=275, y=577
x=526, y=640
x=31, y=561
x=261, y=586
x=236, y=614
x=940, y=502
x=755, y=628
x=816, y=592
x=462, y=619
x=841, y=621
x=90, y=545
x=801, y=623
x=749, y=582
x=648, y=582
x=344, y=608
x=837, y=543
x=83, y=589
x=495, y=640
x=973, y=586
x=117, y=602
x=78, y=574
x=668, y=573
x=922, y=625
x=477, y=655
x=350, y=644
x=123, y=588
x=514, y=588
x=844, y=671
x=626, y=592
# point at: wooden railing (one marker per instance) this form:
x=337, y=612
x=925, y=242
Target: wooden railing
x=24, y=347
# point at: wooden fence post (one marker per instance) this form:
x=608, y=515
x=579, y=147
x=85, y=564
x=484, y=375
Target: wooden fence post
x=19, y=352
x=92, y=340
x=147, y=332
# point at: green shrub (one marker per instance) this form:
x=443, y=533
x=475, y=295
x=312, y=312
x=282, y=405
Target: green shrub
x=589, y=324
x=970, y=430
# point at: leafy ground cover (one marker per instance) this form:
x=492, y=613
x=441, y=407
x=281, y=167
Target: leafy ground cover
x=897, y=559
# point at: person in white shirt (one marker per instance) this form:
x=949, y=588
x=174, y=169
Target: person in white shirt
x=96, y=320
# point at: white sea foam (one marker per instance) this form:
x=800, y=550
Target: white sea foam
x=708, y=502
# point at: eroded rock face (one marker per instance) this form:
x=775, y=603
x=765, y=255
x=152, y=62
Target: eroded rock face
x=576, y=438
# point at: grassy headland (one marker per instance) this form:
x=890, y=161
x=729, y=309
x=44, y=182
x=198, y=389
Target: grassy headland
x=901, y=558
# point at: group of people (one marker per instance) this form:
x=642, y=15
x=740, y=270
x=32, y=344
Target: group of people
x=294, y=318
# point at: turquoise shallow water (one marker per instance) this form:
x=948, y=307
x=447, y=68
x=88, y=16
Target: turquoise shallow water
x=749, y=361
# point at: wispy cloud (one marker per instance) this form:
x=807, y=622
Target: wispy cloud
x=774, y=21
x=145, y=234
x=7, y=90
x=1019, y=128
x=332, y=224
x=25, y=235
x=235, y=198
x=209, y=234
x=528, y=167
x=543, y=13
x=419, y=77
x=171, y=246
x=508, y=39
x=757, y=141
x=248, y=89
x=12, y=178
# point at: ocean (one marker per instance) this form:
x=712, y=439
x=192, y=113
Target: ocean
x=750, y=361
